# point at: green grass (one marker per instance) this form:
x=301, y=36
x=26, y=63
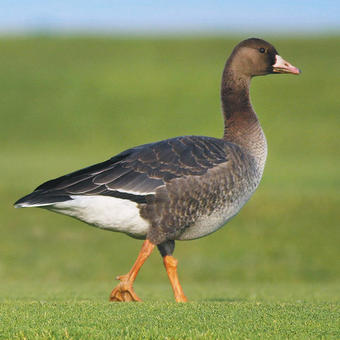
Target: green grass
x=218, y=310
x=273, y=272
x=261, y=316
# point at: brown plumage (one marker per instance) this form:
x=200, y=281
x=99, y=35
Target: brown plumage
x=177, y=189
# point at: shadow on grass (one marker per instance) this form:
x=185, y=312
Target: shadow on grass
x=221, y=299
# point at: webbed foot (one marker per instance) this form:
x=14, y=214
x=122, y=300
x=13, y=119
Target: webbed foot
x=124, y=291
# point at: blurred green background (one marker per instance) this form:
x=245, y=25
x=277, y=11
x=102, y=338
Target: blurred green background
x=66, y=103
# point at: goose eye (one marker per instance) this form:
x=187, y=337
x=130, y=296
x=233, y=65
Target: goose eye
x=262, y=50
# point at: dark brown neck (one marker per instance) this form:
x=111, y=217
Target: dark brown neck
x=241, y=125
x=239, y=116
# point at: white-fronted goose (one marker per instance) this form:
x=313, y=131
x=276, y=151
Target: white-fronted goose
x=177, y=189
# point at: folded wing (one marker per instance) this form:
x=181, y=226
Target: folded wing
x=135, y=173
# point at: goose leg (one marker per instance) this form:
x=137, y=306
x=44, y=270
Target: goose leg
x=166, y=249
x=124, y=291
x=170, y=264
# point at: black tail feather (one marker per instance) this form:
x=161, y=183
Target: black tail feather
x=41, y=198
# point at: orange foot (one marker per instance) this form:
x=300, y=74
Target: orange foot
x=124, y=291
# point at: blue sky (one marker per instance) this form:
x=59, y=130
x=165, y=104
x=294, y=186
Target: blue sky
x=158, y=17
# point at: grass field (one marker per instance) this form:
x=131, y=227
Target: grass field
x=273, y=272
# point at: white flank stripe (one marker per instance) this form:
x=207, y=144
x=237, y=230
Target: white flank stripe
x=27, y=205
x=139, y=193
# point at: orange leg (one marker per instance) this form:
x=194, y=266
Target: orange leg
x=124, y=290
x=170, y=264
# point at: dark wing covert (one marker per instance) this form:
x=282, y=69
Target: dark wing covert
x=137, y=172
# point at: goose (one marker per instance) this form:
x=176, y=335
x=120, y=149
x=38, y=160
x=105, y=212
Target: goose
x=181, y=188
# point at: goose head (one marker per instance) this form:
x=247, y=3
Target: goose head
x=256, y=57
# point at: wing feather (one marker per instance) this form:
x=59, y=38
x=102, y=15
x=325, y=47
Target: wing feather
x=138, y=171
